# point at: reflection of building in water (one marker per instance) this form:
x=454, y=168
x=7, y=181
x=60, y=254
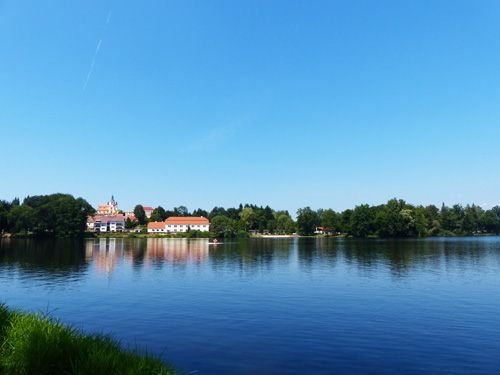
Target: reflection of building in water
x=105, y=253
x=177, y=250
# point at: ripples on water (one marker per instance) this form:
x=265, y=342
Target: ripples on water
x=270, y=306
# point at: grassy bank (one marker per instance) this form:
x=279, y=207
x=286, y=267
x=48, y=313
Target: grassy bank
x=35, y=343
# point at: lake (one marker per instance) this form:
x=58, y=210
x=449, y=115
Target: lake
x=274, y=306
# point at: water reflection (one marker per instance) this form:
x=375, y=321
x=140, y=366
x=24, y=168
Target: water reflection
x=253, y=255
x=400, y=257
x=144, y=253
x=70, y=259
x=318, y=306
x=46, y=262
x=105, y=254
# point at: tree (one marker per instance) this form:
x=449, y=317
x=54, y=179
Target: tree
x=446, y=218
x=232, y=213
x=21, y=218
x=241, y=225
x=282, y=221
x=181, y=211
x=395, y=219
x=216, y=211
x=290, y=226
x=129, y=224
x=259, y=221
x=329, y=220
x=271, y=225
x=362, y=220
x=59, y=215
x=490, y=222
x=345, y=221
x=222, y=226
x=421, y=222
x=469, y=223
x=140, y=214
x=199, y=212
x=4, y=212
x=158, y=214
x=306, y=221
x=247, y=215
x=268, y=213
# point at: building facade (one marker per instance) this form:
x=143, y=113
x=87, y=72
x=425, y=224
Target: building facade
x=179, y=224
x=111, y=208
x=148, y=211
x=115, y=223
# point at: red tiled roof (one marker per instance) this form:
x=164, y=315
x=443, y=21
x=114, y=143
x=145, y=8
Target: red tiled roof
x=148, y=208
x=187, y=220
x=156, y=225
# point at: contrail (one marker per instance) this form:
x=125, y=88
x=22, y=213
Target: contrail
x=92, y=65
x=95, y=54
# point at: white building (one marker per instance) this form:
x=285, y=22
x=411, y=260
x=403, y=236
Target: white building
x=109, y=223
x=179, y=224
x=148, y=211
x=156, y=227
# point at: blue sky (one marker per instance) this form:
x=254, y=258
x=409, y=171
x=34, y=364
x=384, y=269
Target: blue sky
x=328, y=104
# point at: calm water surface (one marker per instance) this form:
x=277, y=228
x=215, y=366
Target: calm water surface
x=275, y=306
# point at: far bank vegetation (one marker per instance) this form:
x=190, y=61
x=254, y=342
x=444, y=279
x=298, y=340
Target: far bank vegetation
x=62, y=215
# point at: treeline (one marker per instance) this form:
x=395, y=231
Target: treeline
x=56, y=215
x=397, y=218
x=229, y=222
x=62, y=215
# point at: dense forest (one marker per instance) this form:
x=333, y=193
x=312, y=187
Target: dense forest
x=56, y=215
x=62, y=215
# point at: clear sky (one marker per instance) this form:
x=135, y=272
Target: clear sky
x=327, y=104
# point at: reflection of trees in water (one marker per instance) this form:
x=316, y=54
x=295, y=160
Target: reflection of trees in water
x=54, y=260
x=399, y=256
x=402, y=256
x=58, y=259
x=251, y=255
x=313, y=251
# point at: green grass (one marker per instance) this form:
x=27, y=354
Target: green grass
x=35, y=343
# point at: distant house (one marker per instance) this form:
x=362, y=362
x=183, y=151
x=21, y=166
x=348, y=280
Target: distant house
x=148, y=211
x=181, y=224
x=321, y=230
x=90, y=223
x=114, y=223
